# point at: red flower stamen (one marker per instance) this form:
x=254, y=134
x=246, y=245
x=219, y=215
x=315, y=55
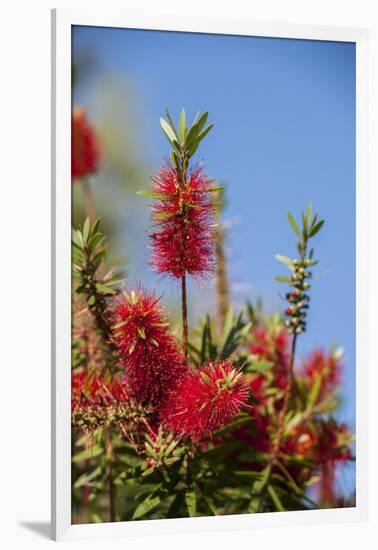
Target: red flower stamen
x=89, y=389
x=152, y=360
x=183, y=241
x=206, y=400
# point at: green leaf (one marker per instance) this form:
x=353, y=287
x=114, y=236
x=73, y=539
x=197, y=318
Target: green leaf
x=86, y=228
x=145, y=193
x=95, y=227
x=86, y=478
x=290, y=479
x=95, y=241
x=87, y=454
x=307, y=216
x=77, y=238
x=214, y=189
x=315, y=390
x=195, y=119
x=282, y=279
x=191, y=502
x=193, y=147
x=100, y=256
x=174, y=159
x=104, y=289
x=293, y=224
x=275, y=498
x=163, y=215
x=148, y=472
x=114, y=282
x=317, y=228
x=129, y=459
x=182, y=126
x=211, y=505
x=259, y=484
x=169, y=133
x=205, y=132
x=204, y=342
x=285, y=260
x=259, y=366
x=228, y=322
x=146, y=506
x=195, y=130
x=201, y=122
x=153, y=194
x=172, y=124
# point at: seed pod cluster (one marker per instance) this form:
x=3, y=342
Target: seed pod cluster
x=298, y=298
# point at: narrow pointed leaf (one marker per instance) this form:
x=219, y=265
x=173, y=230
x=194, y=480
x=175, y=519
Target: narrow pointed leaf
x=191, y=502
x=171, y=123
x=285, y=260
x=317, y=228
x=275, y=498
x=146, y=506
x=104, y=289
x=170, y=134
x=282, y=279
x=293, y=224
x=205, y=132
x=182, y=126
x=86, y=228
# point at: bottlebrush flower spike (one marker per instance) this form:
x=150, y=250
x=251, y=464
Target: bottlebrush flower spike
x=183, y=215
x=333, y=442
x=272, y=346
x=206, y=400
x=327, y=366
x=85, y=147
x=333, y=447
x=301, y=442
x=89, y=389
x=152, y=360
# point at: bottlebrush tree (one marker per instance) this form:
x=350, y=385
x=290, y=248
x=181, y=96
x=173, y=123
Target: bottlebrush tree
x=210, y=421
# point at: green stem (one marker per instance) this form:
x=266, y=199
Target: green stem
x=285, y=405
x=184, y=317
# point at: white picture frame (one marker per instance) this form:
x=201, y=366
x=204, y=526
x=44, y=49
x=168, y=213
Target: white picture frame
x=62, y=21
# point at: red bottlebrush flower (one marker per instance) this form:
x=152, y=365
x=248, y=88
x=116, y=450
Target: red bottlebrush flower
x=302, y=442
x=183, y=242
x=328, y=366
x=258, y=387
x=85, y=147
x=206, y=400
x=332, y=448
x=89, y=389
x=152, y=360
x=333, y=442
x=273, y=347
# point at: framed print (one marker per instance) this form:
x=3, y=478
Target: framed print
x=210, y=287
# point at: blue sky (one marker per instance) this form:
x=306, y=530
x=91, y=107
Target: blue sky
x=284, y=114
